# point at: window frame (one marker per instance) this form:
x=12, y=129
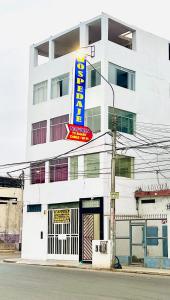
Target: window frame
x=112, y=76
x=40, y=133
x=119, y=169
x=122, y=116
x=38, y=88
x=61, y=126
x=73, y=171
x=95, y=172
x=98, y=77
x=56, y=167
x=92, y=119
x=37, y=173
x=56, y=86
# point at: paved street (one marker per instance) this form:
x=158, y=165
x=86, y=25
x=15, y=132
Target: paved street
x=23, y=282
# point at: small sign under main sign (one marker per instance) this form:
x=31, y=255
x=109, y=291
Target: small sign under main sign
x=61, y=216
x=78, y=133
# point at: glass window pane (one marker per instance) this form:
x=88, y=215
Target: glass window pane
x=40, y=92
x=58, y=129
x=58, y=169
x=92, y=165
x=93, y=78
x=93, y=119
x=121, y=76
x=39, y=131
x=60, y=86
x=125, y=121
x=74, y=167
x=124, y=166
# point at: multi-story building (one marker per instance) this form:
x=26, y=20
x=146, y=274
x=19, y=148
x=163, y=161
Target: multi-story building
x=76, y=181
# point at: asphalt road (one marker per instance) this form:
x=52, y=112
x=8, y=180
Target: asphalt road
x=24, y=282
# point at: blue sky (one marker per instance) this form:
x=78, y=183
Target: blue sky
x=23, y=22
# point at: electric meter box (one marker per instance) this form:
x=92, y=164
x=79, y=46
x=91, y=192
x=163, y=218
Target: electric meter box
x=101, y=254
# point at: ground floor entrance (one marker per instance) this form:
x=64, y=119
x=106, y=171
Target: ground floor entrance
x=63, y=233
x=91, y=226
x=72, y=227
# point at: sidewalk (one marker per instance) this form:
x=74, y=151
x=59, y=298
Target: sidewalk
x=74, y=264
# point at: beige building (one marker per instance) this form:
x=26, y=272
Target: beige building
x=10, y=212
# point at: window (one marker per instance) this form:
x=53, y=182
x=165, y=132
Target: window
x=74, y=167
x=58, y=169
x=38, y=173
x=93, y=119
x=121, y=77
x=124, y=166
x=125, y=120
x=148, y=201
x=93, y=78
x=92, y=165
x=34, y=208
x=39, y=131
x=152, y=236
x=57, y=128
x=60, y=86
x=40, y=92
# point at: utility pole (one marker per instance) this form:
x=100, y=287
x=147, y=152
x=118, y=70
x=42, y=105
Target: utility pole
x=21, y=209
x=113, y=167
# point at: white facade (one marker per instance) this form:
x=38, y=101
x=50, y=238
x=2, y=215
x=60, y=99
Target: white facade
x=150, y=101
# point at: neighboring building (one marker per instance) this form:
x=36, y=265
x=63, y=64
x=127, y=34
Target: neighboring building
x=137, y=64
x=10, y=212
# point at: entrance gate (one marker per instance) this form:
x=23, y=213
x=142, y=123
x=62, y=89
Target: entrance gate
x=63, y=239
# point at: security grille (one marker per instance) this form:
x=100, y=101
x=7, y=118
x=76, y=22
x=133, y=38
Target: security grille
x=88, y=236
x=63, y=239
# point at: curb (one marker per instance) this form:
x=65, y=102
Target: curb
x=144, y=272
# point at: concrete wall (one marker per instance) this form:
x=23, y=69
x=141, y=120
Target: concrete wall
x=10, y=215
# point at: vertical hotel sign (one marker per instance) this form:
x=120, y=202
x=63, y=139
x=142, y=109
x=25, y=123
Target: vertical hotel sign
x=79, y=91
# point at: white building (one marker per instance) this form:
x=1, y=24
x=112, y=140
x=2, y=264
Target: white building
x=137, y=64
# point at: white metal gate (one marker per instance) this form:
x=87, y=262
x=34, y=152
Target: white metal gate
x=63, y=239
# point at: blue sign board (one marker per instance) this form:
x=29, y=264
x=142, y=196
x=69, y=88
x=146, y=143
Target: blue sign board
x=79, y=91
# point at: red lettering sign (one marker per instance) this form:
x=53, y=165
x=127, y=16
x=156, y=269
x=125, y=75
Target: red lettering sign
x=78, y=133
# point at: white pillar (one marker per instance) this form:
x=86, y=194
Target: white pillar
x=83, y=35
x=104, y=27
x=33, y=57
x=51, y=49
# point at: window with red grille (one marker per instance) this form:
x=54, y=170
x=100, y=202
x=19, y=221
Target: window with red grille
x=38, y=173
x=57, y=128
x=39, y=132
x=58, y=169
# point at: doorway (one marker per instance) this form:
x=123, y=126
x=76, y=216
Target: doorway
x=138, y=242
x=91, y=226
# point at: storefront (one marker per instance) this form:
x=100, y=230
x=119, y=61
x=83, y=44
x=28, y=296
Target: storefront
x=72, y=227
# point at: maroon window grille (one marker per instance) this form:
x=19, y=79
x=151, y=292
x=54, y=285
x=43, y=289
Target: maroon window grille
x=57, y=128
x=38, y=173
x=39, y=131
x=59, y=169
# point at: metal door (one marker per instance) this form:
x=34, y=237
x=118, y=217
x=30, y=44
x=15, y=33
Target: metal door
x=63, y=239
x=90, y=232
x=138, y=242
x=88, y=236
